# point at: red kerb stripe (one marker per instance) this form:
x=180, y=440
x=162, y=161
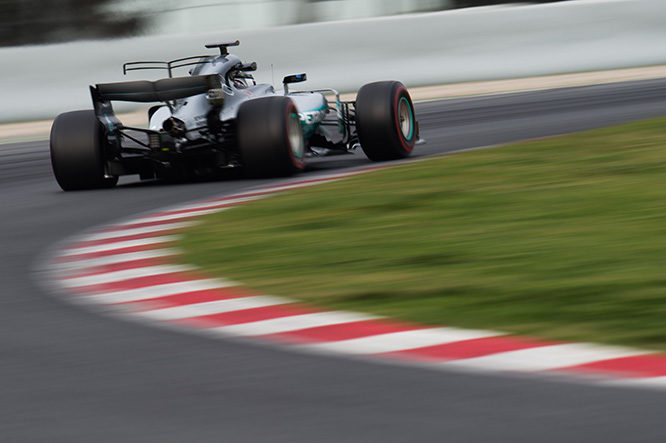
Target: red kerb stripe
x=188, y=298
x=245, y=316
x=650, y=365
x=345, y=331
x=468, y=348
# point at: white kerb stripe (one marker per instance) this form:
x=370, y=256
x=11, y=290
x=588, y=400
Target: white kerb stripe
x=211, y=307
x=119, y=245
x=125, y=274
x=545, y=358
x=79, y=265
x=156, y=291
x=291, y=323
x=400, y=341
x=117, y=233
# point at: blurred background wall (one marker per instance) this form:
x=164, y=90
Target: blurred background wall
x=51, y=21
x=430, y=48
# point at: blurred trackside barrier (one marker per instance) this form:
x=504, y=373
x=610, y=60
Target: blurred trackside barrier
x=419, y=49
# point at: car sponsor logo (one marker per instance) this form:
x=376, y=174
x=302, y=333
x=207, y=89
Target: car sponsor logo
x=312, y=117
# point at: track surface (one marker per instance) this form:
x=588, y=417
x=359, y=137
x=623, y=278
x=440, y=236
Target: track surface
x=71, y=375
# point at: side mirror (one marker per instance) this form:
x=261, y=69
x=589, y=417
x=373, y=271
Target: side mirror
x=297, y=78
x=294, y=79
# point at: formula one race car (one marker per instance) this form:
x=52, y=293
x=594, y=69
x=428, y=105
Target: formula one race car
x=218, y=117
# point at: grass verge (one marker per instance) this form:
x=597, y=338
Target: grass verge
x=563, y=238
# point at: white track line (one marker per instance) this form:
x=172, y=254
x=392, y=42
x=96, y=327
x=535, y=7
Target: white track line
x=117, y=233
x=119, y=245
x=646, y=382
x=280, y=188
x=213, y=203
x=198, y=209
x=167, y=217
x=400, y=341
x=291, y=323
x=211, y=307
x=125, y=274
x=189, y=211
x=211, y=207
x=156, y=291
x=545, y=358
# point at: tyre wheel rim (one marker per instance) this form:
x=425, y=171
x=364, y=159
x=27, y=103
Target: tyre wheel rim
x=406, y=118
x=295, y=135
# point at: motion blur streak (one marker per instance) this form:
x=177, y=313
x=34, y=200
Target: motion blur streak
x=260, y=315
x=90, y=378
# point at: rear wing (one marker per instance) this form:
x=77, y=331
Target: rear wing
x=144, y=91
x=158, y=91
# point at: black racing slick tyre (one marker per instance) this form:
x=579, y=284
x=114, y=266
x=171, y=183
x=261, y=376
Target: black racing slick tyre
x=77, y=152
x=270, y=137
x=385, y=121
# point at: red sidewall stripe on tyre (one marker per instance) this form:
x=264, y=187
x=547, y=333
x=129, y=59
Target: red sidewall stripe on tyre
x=396, y=108
x=138, y=277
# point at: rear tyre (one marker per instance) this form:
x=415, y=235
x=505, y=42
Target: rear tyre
x=385, y=121
x=270, y=137
x=77, y=152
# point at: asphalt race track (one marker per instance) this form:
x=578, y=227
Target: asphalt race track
x=67, y=374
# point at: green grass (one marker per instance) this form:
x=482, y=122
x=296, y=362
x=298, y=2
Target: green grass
x=563, y=238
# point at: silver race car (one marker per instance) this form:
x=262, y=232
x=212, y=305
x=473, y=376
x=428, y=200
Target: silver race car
x=218, y=117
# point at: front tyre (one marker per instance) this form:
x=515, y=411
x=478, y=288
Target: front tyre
x=385, y=121
x=270, y=137
x=77, y=152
